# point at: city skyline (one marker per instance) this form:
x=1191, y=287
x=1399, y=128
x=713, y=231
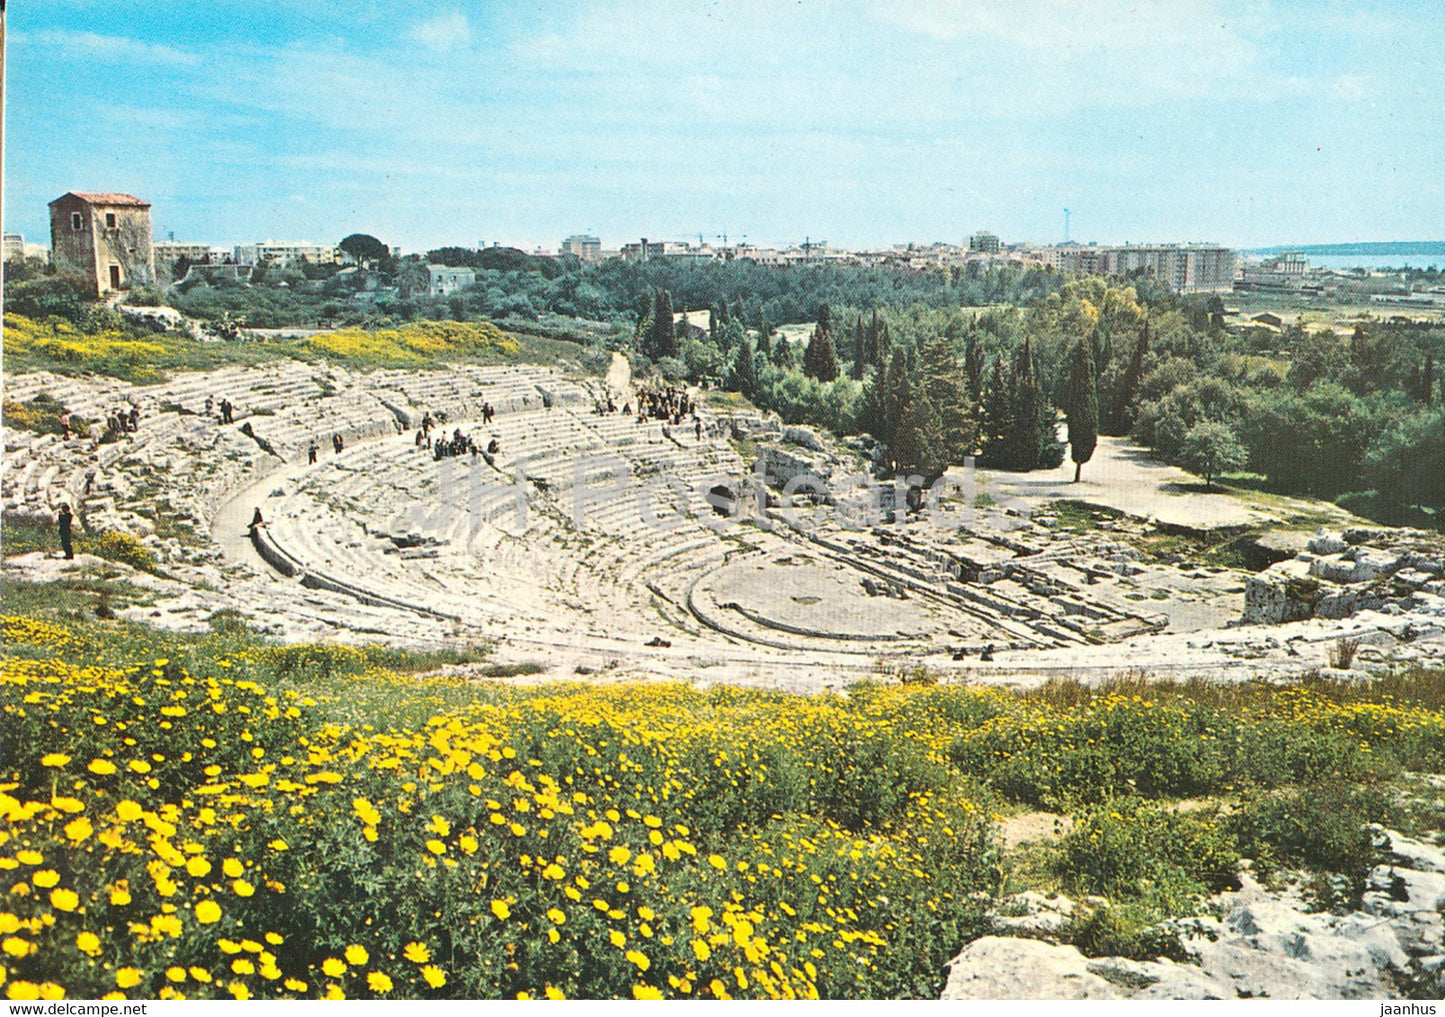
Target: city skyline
x=430, y=124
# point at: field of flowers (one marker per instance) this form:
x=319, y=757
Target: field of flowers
x=144, y=357
x=228, y=818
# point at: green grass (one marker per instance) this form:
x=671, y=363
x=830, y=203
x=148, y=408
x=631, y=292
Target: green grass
x=25, y=534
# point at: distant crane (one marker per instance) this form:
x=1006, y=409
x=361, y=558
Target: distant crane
x=1066, y=225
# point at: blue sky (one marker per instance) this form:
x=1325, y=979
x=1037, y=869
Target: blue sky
x=861, y=123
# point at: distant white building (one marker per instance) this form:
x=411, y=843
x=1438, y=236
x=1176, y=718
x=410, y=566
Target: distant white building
x=167, y=252
x=14, y=247
x=443, y=280
x=984, y=243
x=287, y=253
x=585, y=247
x=1184, y=268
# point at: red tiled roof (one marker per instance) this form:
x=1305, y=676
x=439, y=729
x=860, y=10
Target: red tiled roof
x=103, y=198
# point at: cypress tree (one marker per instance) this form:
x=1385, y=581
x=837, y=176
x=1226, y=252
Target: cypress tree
x=860, y=352
x=973, y=364
x=744, y=375
x=782, y=353
x=896, y=392
x=1083, y=408
x=996, y=416
x=819, y=360
x=873, y=417
x=1024, y=446
x=662, y=337
x=918, y=440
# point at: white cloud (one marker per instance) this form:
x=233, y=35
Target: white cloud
x=107, y=47
x=442, y=33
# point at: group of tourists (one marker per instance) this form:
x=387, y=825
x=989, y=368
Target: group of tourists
x=120, y=421
x=670, y=402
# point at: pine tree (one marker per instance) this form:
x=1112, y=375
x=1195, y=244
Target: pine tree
x=1083, y=408
x=860, y=350
x=819, y=359
x=1121, y=411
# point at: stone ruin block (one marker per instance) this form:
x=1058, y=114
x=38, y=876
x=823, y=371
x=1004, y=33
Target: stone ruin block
x=1327, y=543
x=1281, y=593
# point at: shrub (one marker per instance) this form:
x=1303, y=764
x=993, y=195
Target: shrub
x=121, y=547
x=1342, y=653
x=1323, y=826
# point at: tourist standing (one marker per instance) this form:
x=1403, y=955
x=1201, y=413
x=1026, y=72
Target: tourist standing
x=63, y=523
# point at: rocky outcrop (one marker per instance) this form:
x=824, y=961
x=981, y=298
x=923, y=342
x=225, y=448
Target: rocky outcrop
x=1262, y=944
x=1342, y=574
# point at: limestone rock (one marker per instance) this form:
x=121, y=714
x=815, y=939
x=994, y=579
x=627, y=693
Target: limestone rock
x=997, y=967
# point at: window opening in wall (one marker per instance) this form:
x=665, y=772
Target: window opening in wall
x=76, y=222
x=110, y=220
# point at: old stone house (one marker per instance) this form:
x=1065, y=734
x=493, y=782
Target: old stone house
x=444, y=280
x=106, y=238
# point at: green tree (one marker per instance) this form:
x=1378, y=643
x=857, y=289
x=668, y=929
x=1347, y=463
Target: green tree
x=1406, y=462
x=1121, y=407
x=1211, y=448
x=947, y=391
x=363, y=247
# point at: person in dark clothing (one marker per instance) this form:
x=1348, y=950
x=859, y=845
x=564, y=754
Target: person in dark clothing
x=493, y=447
x=226, y=408
x=697, y=426
x=256, y=522
x=135, y=418
x=63, y=523
x=311, y=453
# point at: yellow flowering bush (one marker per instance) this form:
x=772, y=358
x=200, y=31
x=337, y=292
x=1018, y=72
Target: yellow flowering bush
x=412, y=344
